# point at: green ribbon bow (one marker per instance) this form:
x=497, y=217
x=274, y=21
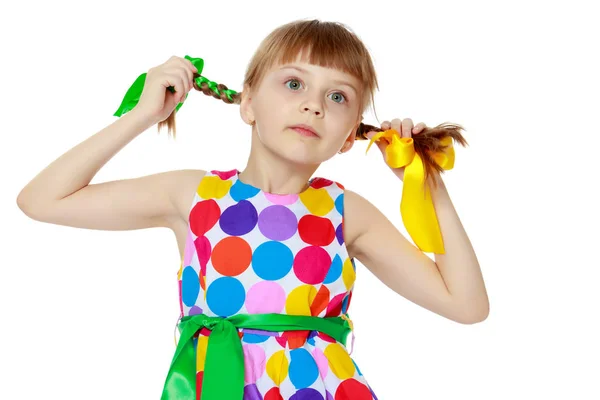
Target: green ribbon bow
x=132, y=97
x=224, y=364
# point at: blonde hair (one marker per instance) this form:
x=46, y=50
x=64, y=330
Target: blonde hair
x=330, y=45
x=326, y=44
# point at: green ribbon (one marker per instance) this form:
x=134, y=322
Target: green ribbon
x=224, y=364
x=132, y=97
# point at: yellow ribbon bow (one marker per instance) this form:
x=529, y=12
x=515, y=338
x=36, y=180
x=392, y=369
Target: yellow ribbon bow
x=416, y=206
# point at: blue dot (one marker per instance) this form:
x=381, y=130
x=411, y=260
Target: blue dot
x=254, y=338
x=356, y=366
x=303, y=368
x=190, y=286
x=242, y=191
x=345, y=303
x=339, y=204
x=335, y=270
x=225, y=296
x=272, y=260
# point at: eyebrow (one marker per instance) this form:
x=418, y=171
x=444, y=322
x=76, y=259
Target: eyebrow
x=341, y=82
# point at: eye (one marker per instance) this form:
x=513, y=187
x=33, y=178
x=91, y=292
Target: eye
x=340, y=95
x=292, y=80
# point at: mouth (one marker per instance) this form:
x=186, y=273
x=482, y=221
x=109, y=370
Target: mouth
x=305, y=130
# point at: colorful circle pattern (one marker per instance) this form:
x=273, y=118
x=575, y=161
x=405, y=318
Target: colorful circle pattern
x=249, y=251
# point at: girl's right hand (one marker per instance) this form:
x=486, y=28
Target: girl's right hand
x=156, y=102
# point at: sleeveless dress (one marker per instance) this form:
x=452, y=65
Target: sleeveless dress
x=253, y=252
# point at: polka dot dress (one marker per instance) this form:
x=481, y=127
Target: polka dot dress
x=253, y=252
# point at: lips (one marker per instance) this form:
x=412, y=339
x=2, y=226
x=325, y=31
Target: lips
x=305, y=130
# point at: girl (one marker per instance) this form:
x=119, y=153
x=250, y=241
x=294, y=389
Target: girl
x=267, y=254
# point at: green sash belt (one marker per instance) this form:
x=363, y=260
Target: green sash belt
x=224, y=364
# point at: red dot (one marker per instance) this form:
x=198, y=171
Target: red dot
x=351, y=389
x=203, y=249
x=199, y=377
x=334, y=308
x=326, y=337
x=224, y=175
x=316, y=230
x=340, y=185
x=204, y=215
x=318, y=183
x=273, y=394
x=311, y=264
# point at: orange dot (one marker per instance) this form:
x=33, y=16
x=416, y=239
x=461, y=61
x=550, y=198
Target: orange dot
x=231, y=256
x=320, y=301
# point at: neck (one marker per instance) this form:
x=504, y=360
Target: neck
x=274, y=174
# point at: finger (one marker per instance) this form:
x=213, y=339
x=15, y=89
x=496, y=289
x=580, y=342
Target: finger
x=189, y=68
x=187, y=78
x=386, y=125
x=396, y=125
x=418, y=128
x=177, y=82
x=407, y=125
x=180, y=77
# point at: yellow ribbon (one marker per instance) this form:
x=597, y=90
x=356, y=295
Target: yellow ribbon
x=416, y=206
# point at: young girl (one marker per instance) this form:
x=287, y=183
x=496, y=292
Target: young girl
x=267, y=253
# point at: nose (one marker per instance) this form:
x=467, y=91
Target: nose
x=312, y=105
x=317, y=112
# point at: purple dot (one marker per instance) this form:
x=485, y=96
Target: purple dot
x=251, y=393
x=339, y=233
x=277, y=223
x=195, y=310
x=239, y=219
x=329, y=395
x=307, y=394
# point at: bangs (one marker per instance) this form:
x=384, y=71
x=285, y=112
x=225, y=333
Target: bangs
x=325, y=44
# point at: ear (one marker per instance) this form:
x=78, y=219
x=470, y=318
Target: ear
x=246, y=107
x=351, y=137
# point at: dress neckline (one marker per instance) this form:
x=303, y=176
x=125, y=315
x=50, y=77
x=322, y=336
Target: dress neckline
x=236, y=177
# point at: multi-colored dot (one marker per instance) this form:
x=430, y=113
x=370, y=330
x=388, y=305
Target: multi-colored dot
x=249, y=251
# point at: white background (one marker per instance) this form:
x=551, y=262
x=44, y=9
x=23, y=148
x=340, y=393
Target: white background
x=520, y=76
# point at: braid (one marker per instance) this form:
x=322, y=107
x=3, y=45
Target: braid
x=202, y=84
x=426, y=143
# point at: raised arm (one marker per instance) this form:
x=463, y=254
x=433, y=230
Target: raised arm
x=62, y=194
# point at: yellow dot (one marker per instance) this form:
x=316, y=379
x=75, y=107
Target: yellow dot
x=300, y=299
x=213, y=187
x=180, y=271
x=339, y=361
x=277, y=367
x=201, y=352
x=318, y=201
x=348, y=274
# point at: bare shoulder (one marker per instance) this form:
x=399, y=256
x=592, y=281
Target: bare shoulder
x=185, y=183
x=358, y=216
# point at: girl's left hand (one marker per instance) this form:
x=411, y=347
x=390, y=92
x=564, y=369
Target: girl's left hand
x=405, y=129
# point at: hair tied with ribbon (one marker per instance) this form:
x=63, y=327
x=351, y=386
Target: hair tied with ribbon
x=201, y=84
x=429, y=152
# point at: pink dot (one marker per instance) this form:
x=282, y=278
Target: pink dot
x=321, y=361
x=311, y=264
x=189, y=249
x=265, y=297
x=254, y=363
x=282, y=199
